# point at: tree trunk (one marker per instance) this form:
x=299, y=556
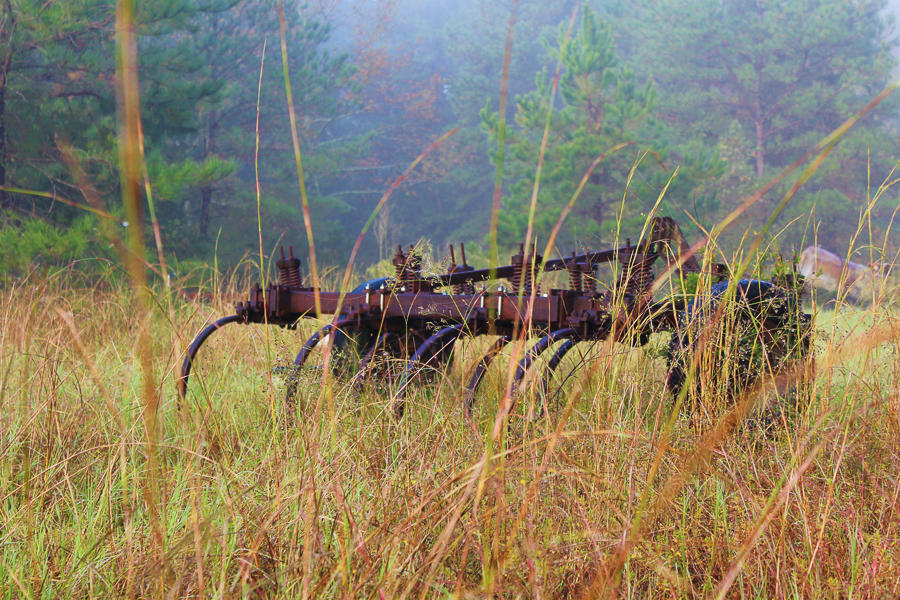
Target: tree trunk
x=7, y=22
x=4, y=197
x=758, y=117
x=205, y=200
x=759, y=125
x=760, y=147
x=206, y=193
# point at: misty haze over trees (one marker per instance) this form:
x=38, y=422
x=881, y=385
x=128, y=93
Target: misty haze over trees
x=727, y=92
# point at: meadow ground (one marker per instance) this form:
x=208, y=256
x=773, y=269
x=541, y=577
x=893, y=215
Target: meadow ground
x=238, y=497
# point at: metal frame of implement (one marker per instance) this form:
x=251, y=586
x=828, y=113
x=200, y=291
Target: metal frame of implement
x=409, y=307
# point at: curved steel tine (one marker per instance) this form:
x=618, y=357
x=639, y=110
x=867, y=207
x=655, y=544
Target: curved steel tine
x=552, y=364
x=427, y=351
x=540, y=347
x=195, y=347
x=480, y=370
x=303, y=355
x=367, y=358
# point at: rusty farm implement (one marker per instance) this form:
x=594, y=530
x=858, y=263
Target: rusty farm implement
x=414, y=319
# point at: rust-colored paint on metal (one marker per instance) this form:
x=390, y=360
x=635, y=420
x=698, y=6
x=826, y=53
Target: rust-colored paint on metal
x=414, y=306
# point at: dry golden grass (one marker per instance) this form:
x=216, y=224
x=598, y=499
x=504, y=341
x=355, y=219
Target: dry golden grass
x=413, y=508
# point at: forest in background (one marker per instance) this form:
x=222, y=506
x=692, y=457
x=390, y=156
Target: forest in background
x=726, y=92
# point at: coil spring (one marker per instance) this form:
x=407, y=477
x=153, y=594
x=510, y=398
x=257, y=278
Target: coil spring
x=638, y=276
x=290, y=276
x=467, y=288
x=524, y=268
x=289, y=270
x=588, y=278
x=413, y=273
x=528, y=280
x=518, y=266
x=399, y=262
x=576, y=280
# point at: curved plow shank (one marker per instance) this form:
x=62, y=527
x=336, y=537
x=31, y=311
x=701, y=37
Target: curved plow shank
x=303, y=355
x=480, y=370
x=429, y=349
x=539, y=348
x=195, y=347
x=381, y=342
x=557, y=357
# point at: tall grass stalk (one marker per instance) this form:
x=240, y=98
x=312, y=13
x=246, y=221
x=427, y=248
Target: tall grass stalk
x=298, y=159
x=131, y=169
x=103, y=214
x=258, y=189
x=520, y=336
x=309, y=522
x=497, y=195
x=154, y=222
x=354, y=252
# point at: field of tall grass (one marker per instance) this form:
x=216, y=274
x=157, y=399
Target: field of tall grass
x=111, y=487
x=610, y=493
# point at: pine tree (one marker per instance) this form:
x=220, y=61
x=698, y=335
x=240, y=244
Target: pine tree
x=59, y=71
x=602, y=105
x=214, y=189
x=771, y=78
x=199, y=64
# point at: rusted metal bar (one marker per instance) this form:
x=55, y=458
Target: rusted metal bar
x=408, y=308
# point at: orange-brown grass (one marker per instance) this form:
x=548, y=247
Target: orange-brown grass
x=807, y=511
